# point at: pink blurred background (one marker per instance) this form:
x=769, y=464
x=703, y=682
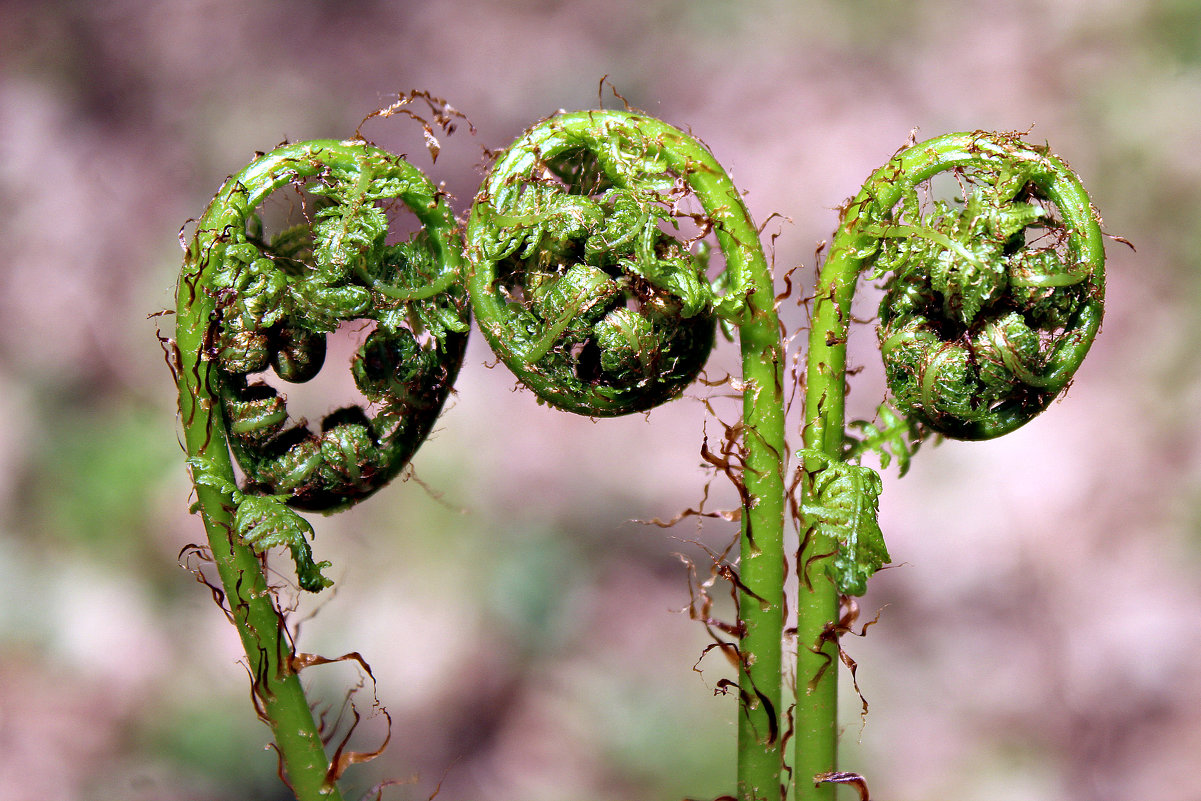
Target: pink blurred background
x=1039, y=640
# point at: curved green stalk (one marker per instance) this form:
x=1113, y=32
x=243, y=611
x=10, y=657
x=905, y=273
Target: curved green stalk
x=564, y=242
x=245, y=303
x=982, y=326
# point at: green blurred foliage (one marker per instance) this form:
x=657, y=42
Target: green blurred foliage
x=96, y=485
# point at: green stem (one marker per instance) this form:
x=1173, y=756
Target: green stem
x=761, y=564
x=276, y=685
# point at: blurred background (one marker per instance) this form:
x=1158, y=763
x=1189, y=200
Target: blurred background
x=1038, y=640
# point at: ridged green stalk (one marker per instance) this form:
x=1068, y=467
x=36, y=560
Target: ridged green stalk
x=276, y=685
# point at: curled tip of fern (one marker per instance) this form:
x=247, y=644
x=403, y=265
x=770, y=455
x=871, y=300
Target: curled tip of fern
x=277, y=296
x=578, y=279
x=992, y=298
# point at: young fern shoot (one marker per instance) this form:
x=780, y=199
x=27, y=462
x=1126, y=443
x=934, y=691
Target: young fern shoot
x=584, y=287
x=248, y=302
x=581, y=289
x=990, y=305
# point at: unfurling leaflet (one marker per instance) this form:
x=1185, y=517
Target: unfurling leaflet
x=844, y=505
x=252, y=301
x=265, y=521
x=889, y=436
x=578, y=279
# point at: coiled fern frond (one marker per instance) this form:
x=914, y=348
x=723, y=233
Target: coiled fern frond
x=579, y=279
x=249, y=302
x=271, y=302
x=993, y=295
x=992, y=299
x=589, y=280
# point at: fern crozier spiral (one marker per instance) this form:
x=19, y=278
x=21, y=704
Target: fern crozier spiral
x=270, y=302
x=991, y=301
x=577, y=278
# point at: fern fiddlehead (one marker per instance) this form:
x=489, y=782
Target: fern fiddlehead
x=575, y=282
x=989, y=307
x=991, y=303
x=581, y=286
x=279, y=298
x=248, y=302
